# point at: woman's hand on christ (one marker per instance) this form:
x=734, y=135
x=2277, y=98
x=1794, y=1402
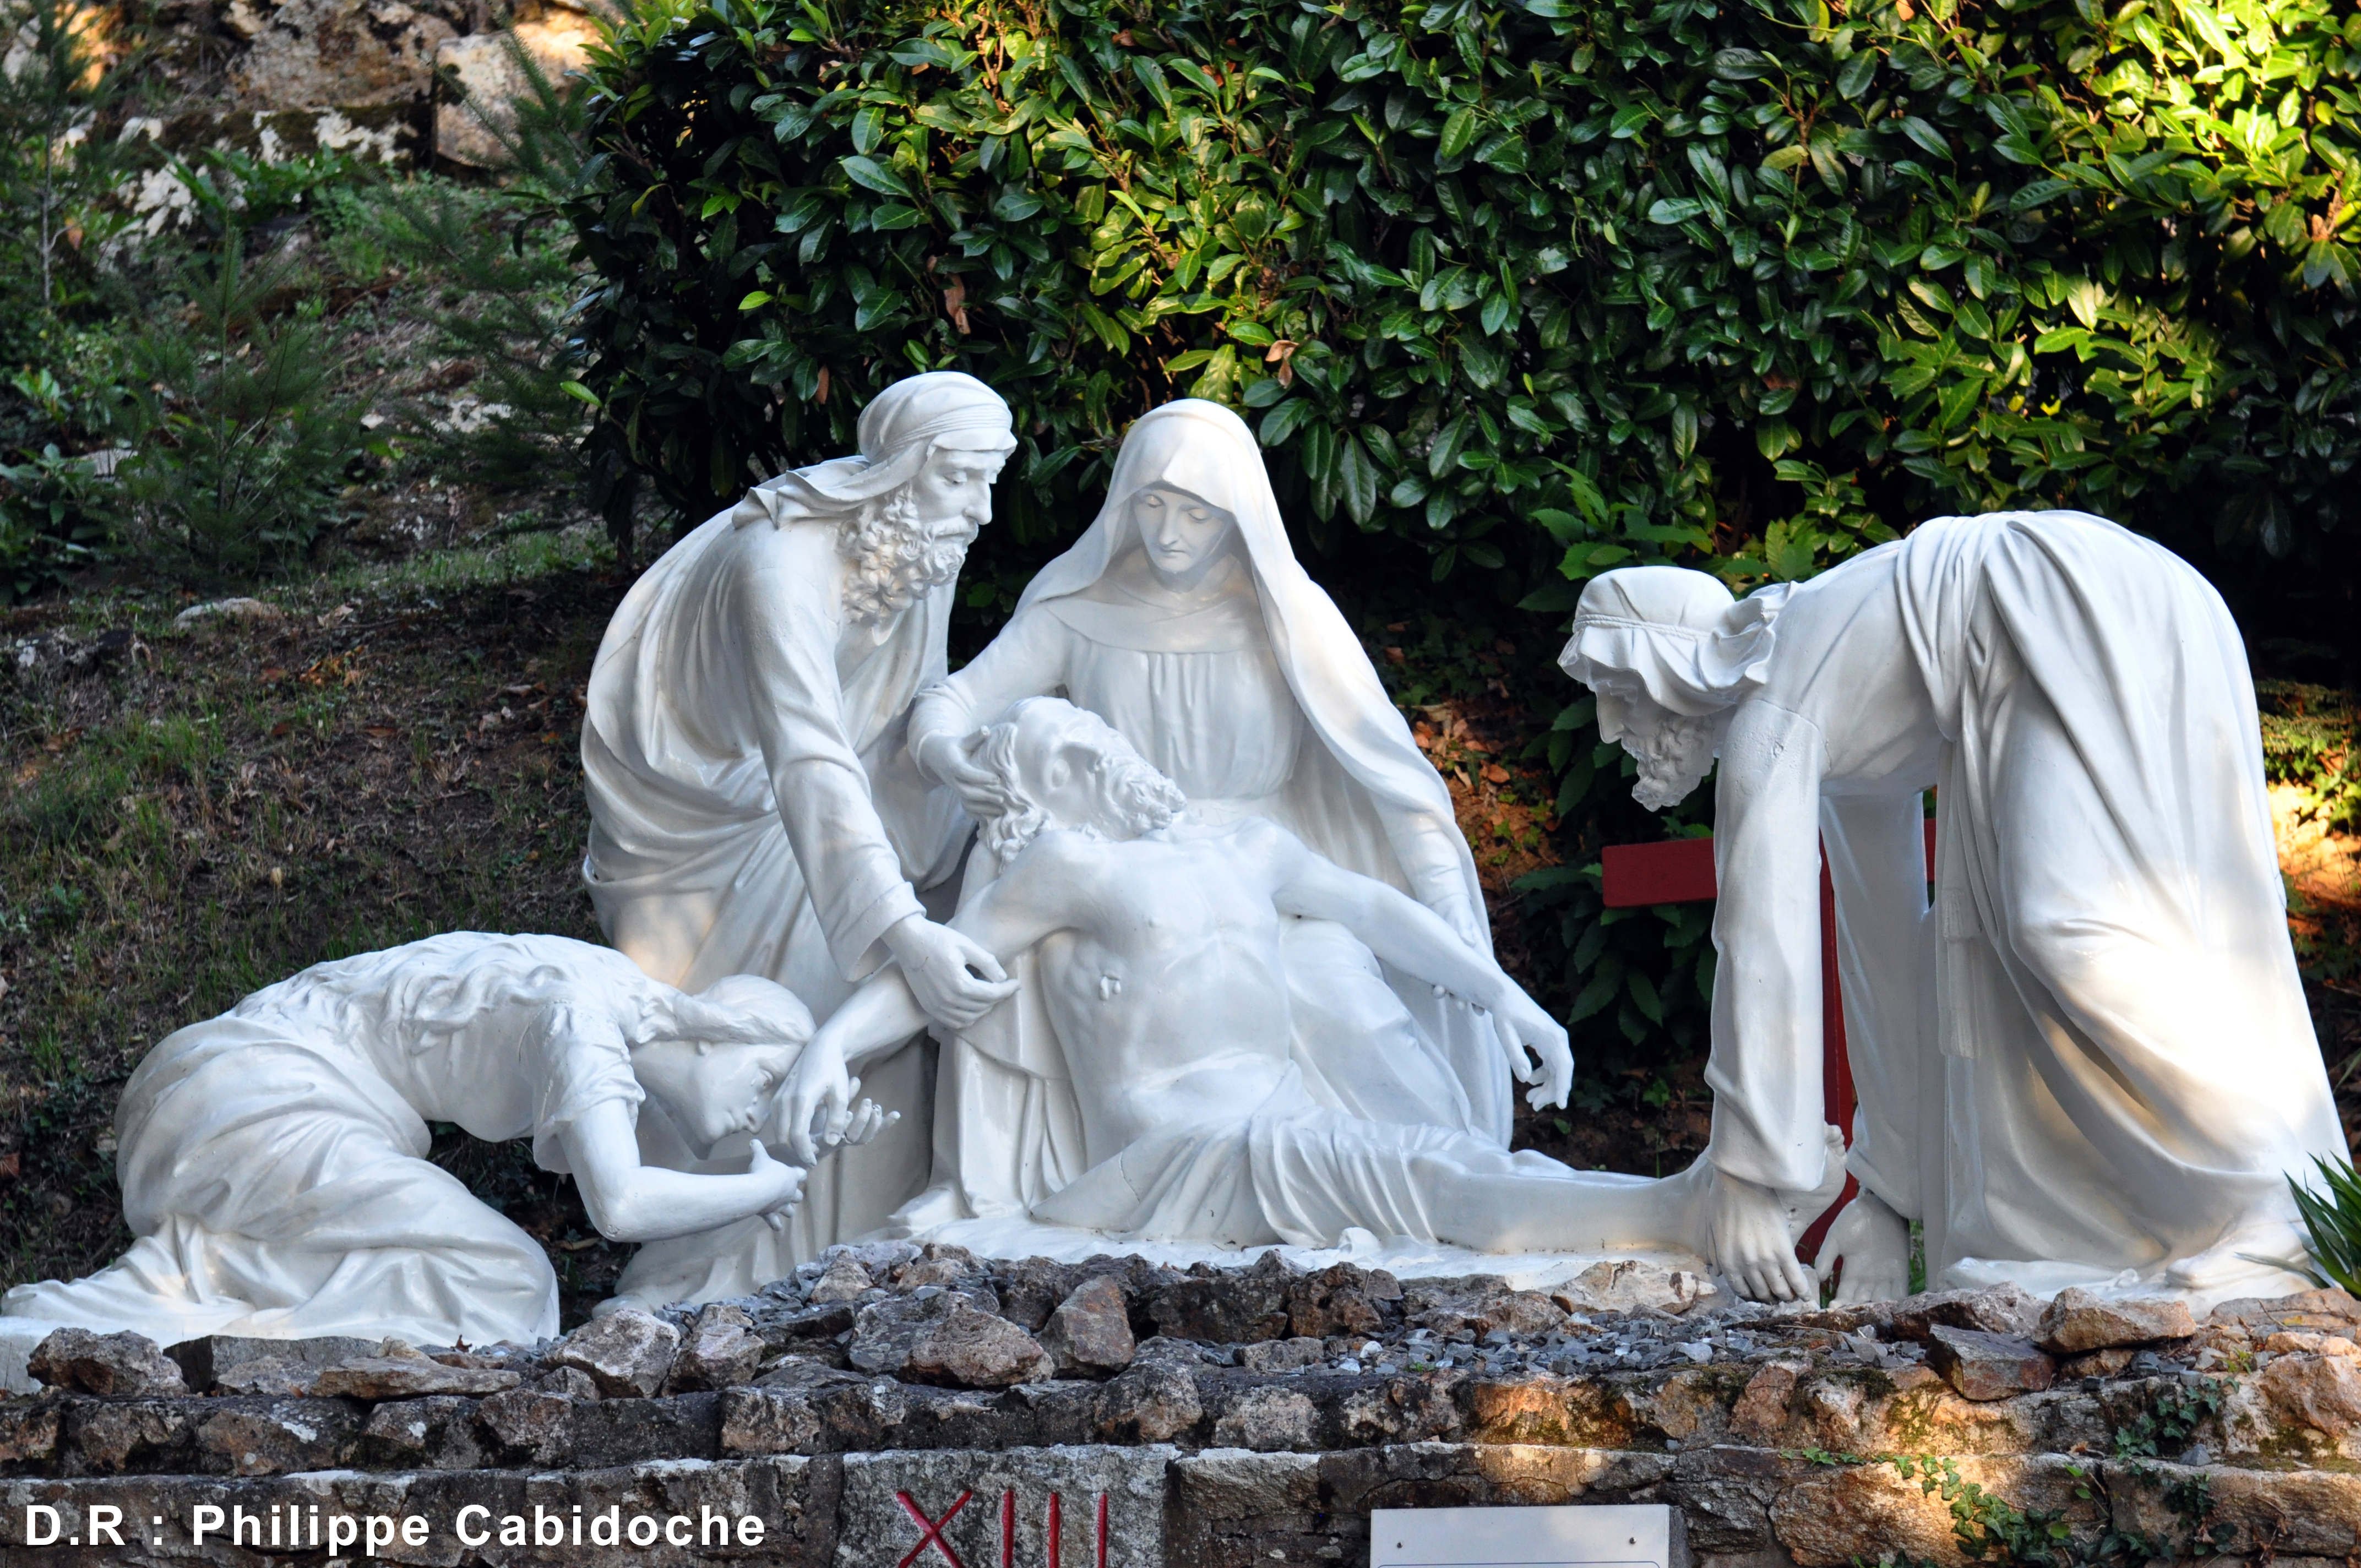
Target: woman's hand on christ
x=951, y=759
x=786, y=1180
x=954, y=979
x=1536, y=1044
x=1749, y=1243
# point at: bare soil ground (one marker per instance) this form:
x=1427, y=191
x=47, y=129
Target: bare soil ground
x=189, y=815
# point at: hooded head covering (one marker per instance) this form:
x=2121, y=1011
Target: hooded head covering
x=901, y=426
x=1692, y=647
x=1206, y=450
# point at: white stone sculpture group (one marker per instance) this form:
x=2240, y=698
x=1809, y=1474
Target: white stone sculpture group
x=1152, y=926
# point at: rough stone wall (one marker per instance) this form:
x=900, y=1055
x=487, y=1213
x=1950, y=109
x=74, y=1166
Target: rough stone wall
x=889, y=1392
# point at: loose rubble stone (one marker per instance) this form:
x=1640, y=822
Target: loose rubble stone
x=28, y=1431
x=845, y=1280
x=218, y=1361
x=1341, y=1300
x=1090, y=1330
x=721, y=1350
x=401, y=1373
x=2319, y=1391
x=2329, y=1310
x=968, y=1349
x=484, y=68
x=1147, y=1404
x=625, y=1353
x=2001, y=1310
x=1226, y=1306
x=1984, y=1367
x=436, y=1433
x=279, y=1437
x=1762, y=1407
x=2095, y=1364
x=1283, y=1354
x=251, y=611
x=117, y=1363
x=885, y=1333
x=1268, y=1420
x=534, y=1423
x=268, y=1375
x=1631, y=1287
x=2077, y=1320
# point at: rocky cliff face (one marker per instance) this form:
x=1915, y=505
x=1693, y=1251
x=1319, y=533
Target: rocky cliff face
x=382, y=81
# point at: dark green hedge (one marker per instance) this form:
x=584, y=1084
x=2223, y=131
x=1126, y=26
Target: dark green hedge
x=1521, y=291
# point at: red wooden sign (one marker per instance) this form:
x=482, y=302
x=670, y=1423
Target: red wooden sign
x=1680, y=870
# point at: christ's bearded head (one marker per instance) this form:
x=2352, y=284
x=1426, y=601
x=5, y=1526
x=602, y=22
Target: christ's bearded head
x=1058, y=766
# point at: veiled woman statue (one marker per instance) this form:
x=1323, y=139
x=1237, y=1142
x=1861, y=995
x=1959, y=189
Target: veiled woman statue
x=1183, y=620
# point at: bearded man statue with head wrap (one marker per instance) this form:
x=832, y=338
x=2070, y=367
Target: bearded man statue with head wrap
x=752, y=809
x=2085, y=1059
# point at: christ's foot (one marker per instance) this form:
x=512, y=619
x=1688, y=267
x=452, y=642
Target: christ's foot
x=1872, y=1241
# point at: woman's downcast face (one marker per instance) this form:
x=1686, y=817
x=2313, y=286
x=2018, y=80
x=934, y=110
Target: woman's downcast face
x=1181, y=533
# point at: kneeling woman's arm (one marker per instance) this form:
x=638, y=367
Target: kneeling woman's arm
x=633, y=1202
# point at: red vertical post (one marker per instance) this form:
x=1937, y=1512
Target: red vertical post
x=1835, y=1067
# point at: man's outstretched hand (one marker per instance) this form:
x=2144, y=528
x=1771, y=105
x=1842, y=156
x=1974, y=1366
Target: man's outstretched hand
x=1539, y=1053
x=1748, y=1243
x=953, y=978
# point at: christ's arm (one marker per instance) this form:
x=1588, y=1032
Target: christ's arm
x=1027, y=903
x=1411, y=936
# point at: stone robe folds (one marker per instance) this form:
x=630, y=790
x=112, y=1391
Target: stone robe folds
x=753, y=812
x=2089, y=1059
x=273, y=1159
x=1260, y=703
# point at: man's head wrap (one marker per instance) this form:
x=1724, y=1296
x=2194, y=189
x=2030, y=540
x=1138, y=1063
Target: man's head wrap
x=1678, y=633
x=901, y=426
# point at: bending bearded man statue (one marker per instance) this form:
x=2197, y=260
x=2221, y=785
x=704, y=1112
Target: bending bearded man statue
x=752, y=808
x=1158, y=940
x=2089, y=1062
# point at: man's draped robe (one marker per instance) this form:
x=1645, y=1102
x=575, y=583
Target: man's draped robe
x=2091, y=1055
x=753, y=811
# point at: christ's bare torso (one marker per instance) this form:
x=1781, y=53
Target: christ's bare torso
x=1165, y=984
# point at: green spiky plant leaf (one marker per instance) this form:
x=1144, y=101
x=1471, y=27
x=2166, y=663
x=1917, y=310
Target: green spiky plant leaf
x=2332, y=1224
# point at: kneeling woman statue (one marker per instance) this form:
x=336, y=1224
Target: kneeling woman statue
x=273, y=1159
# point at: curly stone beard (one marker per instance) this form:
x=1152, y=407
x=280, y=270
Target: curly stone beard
x=893, y=558
x=1674, y=754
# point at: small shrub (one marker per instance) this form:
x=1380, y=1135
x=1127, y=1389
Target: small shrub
x=243, y=445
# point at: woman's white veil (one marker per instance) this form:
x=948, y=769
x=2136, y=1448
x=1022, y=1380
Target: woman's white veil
x=1206, y=450
x=1007, y=1130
